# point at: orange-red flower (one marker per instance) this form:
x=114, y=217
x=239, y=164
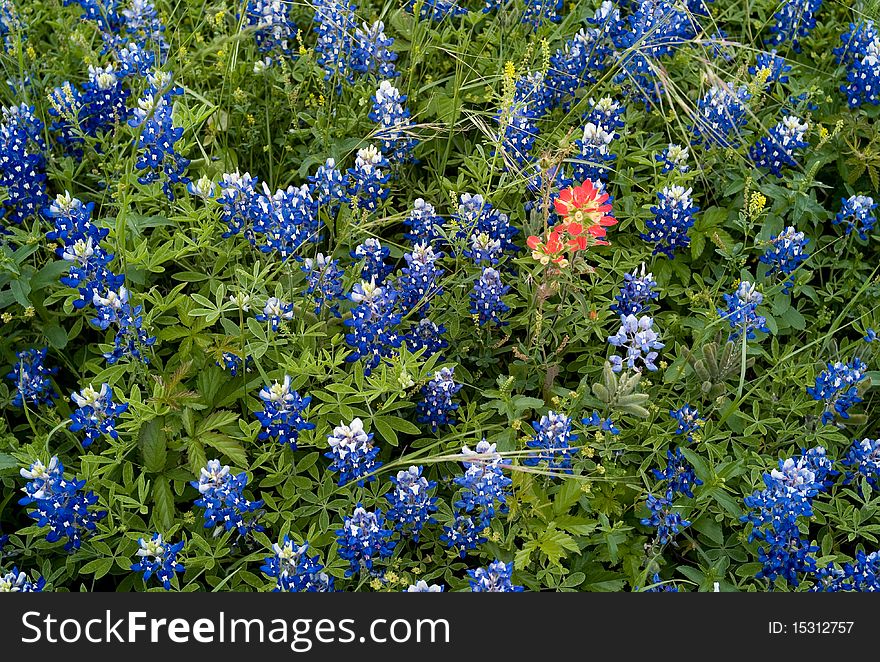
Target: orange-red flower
x=585, y=213
x=585, y=205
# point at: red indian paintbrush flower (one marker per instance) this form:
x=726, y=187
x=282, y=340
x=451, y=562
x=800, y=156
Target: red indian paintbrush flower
x=585, y=213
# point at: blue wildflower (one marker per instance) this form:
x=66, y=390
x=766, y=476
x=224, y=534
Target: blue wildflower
x=860, y=55
x=674, y=157
x=494, y=579
x=857, y=214
x=419, y=280
x=422, y=586
x=31, y=378
x=688, y=420
x=673, y=217
x=222, y=496
x=60, y=504
x=776, y=150
x=15, y=581
x=395, y=126
x=463, y=535
x=367, y=177
x=863, y=460
x=787, y=251
x=158, y=558
x=636, y=293
x=96, y=413
x=771, y=65
x=679, y=474
x=328, y=186
x=554, y=442
x=423, y=223
x=483, y=483
x=364, y=539
x=353, y=453
x=294, y=570
x=792, y=21
x=275, y=311
x=838, y=386
x=372, y=53
x=373, y=324
x=324, y=279
x=487, y=304
x=721, y=115
x=663, y=517
x=426, y=335
x=741, y=312
x=436, y=407
x=638, y=337
x=410, y=502
x=282, y=415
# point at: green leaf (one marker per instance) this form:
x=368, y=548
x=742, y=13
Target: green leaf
x=385, y=430
x=8, y=464
x=152, y=442
x=163, y=502
x=226, y=445
x=56, y=336
x=98, y=567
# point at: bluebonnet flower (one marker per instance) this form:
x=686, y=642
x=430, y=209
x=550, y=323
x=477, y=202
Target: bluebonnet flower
x=18, y=582
x=863, y=460
x=284, y=221
x=371, y=53
x=576, y=64
x=663, y=517
x=324, y=279
x=483, y=483
x=335, y=25
x=721, y=115
x=282, y=415
x=353, y=453
x=234, y=364
x=688, y=419
x=373, y=253
x=673, y=217
x=771, y=67
x=221, y=494
x=793, y=20
x=679, y=474
x=10, y=24
x=776, y=150
x=436, y=407
x=423, y=222
x=60, y=504
x=422, y=586
x=604, y=424
x=857, y=214
x=638, y=337
x=436, y=10
x=366, y=178
x=741, y=312
x=410, y=502
x=636, y=293
x=517, y=122
x=135, y=59
x=275, y=311
x=426, y=335
x=483, y=249
x=538, y=12
x=203, y=188
x=870, y=335
x=674, y=157
x=486, y=302
x=553, y=441
x=607, y=112
x=102, y=12
x=476, y=216
x=774, y=512
x=419, y=280
x=837, y=386
x=143, y=25
x=659, y=586
x=157, y=135
x=274, y=30
x=31, y=378
x=394, y=122
x=96, y=413
x=860, y=54
x=157, y=557
x=131, y=338
x=494, y=579
x=463, y=535
x=22, y=163
x=373, y=324
x=294, y=570
x=594, y=149
x=238, y=198
x=364, y=539
x=328, y=186
x=785, y=254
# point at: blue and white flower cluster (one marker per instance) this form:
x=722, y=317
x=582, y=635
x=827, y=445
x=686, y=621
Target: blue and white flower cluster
x=411, y=504
x=60, y=504
x=364, y=539
x=494, y=579
x=22, y=164
x=860, y=55
x=673, y=217
x=31, y=377
x=226, y=506
x=353, y=453
x=18, y=582
x=96, y=413
x=395, y=126
x=838, y=388
x=437, y=407
x=742, y=312
x=793, y=20
x=553, y=442
x=97, y=285
x=636, y=293
x=637, y=336
x=158, y=558
x=721, y=115
x=295, y=571
x=776, y=150
x=857, y=215
x=282, y=416
x=787, y=251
